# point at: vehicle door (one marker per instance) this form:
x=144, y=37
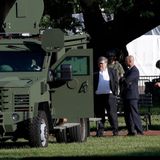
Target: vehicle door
x=74, y=98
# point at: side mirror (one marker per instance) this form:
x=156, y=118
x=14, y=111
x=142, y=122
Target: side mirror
x=66, y=72
x=50, y=76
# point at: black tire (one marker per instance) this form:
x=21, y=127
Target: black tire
x=39, y=131
x=79, y=133
x=88, y=127
x=61, y=136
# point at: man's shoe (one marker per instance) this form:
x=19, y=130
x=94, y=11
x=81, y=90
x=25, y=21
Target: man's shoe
x=115, y=133
x=99, y=133
x=140, y=133
x=100, y=129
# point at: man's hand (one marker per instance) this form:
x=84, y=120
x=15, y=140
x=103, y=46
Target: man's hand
x=157, y=84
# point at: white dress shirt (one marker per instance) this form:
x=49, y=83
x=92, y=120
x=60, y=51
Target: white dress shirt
x=103, y=83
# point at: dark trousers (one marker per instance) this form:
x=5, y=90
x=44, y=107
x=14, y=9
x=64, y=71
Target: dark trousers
x=108, y=102
x=132, y=116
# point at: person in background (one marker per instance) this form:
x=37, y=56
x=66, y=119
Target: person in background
x=113, y=63
x=106, y=90
x=157, y=84
x=130, y=96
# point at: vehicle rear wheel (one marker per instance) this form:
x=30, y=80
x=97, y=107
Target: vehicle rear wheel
x=61, y=136
x=39, y=131
x=78, y=133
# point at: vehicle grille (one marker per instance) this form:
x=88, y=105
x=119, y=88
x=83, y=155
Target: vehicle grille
x=1, y=118
x=21, y=102
x=4, y=98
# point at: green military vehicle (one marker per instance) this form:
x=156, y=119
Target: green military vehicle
x=46, y=80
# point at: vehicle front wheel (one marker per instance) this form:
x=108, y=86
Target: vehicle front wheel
x=39, y=131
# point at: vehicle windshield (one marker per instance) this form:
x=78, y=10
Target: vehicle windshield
x=21, y=61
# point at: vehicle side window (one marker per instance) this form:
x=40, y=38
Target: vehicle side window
x=80, y=65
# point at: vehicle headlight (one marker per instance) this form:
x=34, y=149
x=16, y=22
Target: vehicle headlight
x=15, y=117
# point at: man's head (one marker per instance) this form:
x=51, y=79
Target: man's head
x=111, y=59
x=111, y=55
x=129, y=61
x=102, y=63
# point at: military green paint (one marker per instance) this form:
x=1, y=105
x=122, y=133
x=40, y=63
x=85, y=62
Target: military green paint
x=74, y=99
x=24, y=17
x=26, y=79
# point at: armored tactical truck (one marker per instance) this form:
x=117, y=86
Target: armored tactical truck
x=46, y=80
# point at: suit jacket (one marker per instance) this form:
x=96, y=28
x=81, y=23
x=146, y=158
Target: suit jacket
x=129, y=84
x=113, y=81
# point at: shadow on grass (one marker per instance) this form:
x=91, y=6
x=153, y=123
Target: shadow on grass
x=12, y=145
x=132, y=156
x=92, y=129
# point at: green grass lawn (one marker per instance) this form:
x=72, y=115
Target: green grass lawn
x=125, y=146
x=94, y=147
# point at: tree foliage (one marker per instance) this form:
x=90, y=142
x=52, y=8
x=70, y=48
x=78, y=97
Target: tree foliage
x=59, y=12
x=132, y=18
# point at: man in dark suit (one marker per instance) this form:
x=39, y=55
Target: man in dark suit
x=106, y=90
x=130, y=96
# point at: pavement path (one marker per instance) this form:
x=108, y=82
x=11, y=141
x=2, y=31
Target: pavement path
x=124, y=133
